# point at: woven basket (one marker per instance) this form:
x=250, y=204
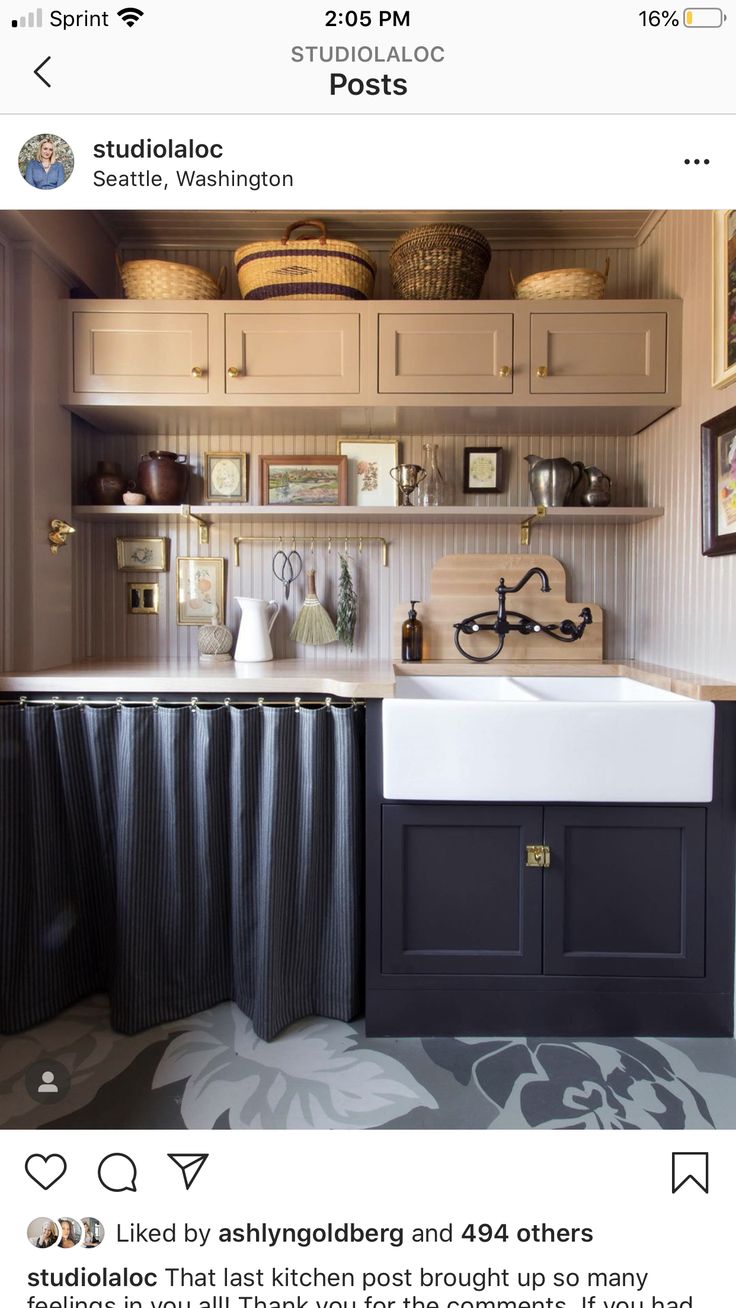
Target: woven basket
x=442, y=261
x=562, y=284
x=158, y=279
x=309, y=268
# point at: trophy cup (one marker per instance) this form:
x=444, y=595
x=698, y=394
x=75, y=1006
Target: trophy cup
x=408, y=476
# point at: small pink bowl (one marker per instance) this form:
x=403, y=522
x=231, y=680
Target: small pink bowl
x=133, y=497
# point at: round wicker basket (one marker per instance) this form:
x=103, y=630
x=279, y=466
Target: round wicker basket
x=562, y=284
x=159, y=279
x=313, y=267
x=441, y=261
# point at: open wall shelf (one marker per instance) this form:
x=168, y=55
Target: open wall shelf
x=511, y=515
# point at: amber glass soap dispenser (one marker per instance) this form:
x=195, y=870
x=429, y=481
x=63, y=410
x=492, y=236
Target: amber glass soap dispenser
x=411, y=637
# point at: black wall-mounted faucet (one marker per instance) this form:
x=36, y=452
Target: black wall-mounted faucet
x=566, y=631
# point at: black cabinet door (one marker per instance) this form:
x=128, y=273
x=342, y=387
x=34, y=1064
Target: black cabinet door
x=625, y=891
x=456, y=896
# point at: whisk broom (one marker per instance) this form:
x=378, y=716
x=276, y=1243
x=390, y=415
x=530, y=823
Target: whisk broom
x=314, y=625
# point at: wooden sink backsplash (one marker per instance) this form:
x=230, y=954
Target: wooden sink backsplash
x=463, y=584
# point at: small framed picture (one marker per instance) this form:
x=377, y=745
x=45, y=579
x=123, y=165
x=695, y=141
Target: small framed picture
x=200, y=591
x=370, y=461
x=304, y=479
x=142, y=553
x=143, y=598
x=225, y=478
x=482, y=469
x=718, y=483
x=724, y=297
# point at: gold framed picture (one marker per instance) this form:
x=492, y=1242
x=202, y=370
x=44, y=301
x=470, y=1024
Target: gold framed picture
x=225, y=477
x=304, y=479
x=142, y=553
x=724, y=297
x=370, y=460
x=200, y=591
x=143, y=598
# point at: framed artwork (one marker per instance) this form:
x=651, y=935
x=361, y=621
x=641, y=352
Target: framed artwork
x=142, y=553
x=200, y=591
x=143, y=598
x=482, y=469
x=225, y=478
x=370, y=461
x=304, y=479
x=718, y=483
x=724, y=297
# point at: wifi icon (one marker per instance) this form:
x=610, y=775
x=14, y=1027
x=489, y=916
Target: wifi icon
x=129, y=15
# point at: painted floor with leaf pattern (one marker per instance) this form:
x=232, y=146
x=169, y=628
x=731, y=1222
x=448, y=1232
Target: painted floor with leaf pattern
x=211, y=1071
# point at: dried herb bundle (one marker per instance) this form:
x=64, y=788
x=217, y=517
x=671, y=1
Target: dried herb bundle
x=347, y=605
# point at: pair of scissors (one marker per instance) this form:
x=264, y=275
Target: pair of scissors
x=286, y=568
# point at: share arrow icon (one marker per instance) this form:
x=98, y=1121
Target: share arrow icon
x=191, y=1165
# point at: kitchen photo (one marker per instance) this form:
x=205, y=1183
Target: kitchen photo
x=368, y=691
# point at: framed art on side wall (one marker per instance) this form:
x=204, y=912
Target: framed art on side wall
x=718, y=483
x=724, y=297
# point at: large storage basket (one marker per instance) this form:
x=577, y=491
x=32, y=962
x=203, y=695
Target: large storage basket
x=310, y=267
x=442, y=261
x=562, y=284
x=158, y=279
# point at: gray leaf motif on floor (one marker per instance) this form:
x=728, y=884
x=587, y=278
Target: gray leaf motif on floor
x=629, y=1084
x=311, y=1077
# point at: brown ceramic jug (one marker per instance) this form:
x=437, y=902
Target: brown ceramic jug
x=106, y=486
x=163, y=477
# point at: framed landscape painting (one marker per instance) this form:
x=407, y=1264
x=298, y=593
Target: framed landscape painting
x=304, y=479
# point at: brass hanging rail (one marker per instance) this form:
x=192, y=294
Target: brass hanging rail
x=194, y=702
x=329, y=541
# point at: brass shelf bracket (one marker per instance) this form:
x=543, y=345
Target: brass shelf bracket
x=204, y=526
x=58, y=534
x=361, y=541
x=526, y=526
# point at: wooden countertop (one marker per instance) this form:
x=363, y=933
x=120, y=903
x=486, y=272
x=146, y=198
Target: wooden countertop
x=348, y=679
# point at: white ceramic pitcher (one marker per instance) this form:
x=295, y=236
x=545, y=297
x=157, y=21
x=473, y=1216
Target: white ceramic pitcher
x=253, y=644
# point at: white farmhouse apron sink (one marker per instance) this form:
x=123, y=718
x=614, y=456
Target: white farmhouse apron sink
x=550, y=739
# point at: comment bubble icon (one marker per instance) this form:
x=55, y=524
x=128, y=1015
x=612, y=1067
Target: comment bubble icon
x=117, y=1172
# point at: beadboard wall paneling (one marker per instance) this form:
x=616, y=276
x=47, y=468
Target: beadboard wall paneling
x=622, y=279
x=597, y=559
x=681, y=602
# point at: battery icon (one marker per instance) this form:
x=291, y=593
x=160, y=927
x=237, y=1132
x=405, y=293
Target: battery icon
x=703, y=17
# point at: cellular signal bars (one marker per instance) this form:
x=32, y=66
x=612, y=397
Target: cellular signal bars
x=33, y=20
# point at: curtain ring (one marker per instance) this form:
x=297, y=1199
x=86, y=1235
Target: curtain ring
x=261, y=701
x=155, y=701
x=23, y=701
x=119, y=702
x=328, y=702
x=228, y=702
x=194, y=703
x=297, y=703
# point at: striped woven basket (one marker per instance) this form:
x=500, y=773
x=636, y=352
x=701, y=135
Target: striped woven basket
x=308, y=268
x=159, y=279
x=441, y=261
x=562, y=284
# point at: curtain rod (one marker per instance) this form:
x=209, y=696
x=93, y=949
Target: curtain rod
x=80, y=701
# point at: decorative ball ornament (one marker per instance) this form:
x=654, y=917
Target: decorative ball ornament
x=214, y=642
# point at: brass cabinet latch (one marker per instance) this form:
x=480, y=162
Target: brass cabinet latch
x=537, y=855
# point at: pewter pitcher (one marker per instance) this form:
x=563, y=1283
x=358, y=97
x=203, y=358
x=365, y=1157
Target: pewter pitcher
x=552, y=481
x=597, y=493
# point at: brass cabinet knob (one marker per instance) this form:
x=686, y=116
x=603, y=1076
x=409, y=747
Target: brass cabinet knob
x=505, y=371
x=233, y=372
x=542, y=372
x=198, y=372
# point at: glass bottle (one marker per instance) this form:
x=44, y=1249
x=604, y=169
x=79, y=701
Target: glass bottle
x=411, y=637
x=431, y=490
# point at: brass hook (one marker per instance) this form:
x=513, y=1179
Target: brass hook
x=58, y=534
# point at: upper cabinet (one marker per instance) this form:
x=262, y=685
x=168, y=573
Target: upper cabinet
x=507, y=360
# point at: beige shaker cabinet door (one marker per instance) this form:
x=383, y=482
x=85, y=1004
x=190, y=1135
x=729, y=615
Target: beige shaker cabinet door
x=292, y=353
x=141, y=353
x=446, y=353
x=598, y=353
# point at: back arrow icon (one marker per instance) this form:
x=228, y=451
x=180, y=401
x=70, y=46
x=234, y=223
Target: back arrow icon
x=38, y=74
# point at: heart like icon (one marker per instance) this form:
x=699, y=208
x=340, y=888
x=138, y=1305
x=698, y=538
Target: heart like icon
x=45, y=1171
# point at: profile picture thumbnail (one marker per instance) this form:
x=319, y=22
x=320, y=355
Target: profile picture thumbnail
x=46, y=161
x=71, y=1233
x=93, y=1232
x=42, y=1233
